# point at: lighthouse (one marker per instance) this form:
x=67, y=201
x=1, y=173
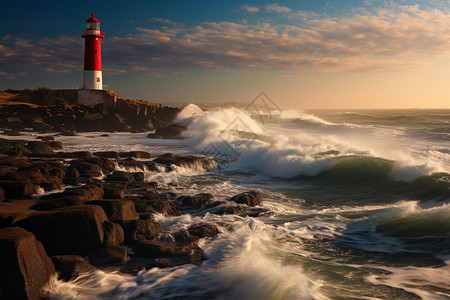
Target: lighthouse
x=92, y=76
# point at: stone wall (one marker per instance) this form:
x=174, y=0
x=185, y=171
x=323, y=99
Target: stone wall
x=89, y=97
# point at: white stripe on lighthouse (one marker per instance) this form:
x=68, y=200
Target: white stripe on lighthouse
x=92, y=80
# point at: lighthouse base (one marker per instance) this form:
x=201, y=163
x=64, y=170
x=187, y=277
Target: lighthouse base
x=92, y=80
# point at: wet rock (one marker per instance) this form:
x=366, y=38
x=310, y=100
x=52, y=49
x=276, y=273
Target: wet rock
x=117, y=210
x=159, y=249
x=110, y=255
x=76, y=154
x=69, y=230
x=2, y=194
x=113, y=192
x=250, y=198
x=194, y=256
x=113, y=233
x=190, y=162
x=255, y=212
x=134, y=265
x=201, y=200
x=18, y=189
x=120, y=176
x=226, y=209
x=87, y=169
x=161, y=206
x=130, y=163
x=203, y=230
x=173, y=131
x=46, y=138
x=71, y=266
x=39, y=147
x=141, y=230
x=185, y=200
x=108, y=154
x=25, y=267
x=135, y=154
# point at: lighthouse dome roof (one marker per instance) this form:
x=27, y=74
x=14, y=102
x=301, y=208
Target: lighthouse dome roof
x=92, y=19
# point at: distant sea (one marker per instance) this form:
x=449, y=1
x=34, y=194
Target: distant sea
x=360, y=202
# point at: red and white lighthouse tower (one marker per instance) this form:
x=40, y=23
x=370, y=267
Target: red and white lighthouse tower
x=92, y=76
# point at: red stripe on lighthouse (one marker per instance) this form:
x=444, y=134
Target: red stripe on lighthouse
x=93, y=53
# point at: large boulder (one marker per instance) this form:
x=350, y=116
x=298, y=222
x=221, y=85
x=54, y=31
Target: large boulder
x=203, y=229
x=109, y=255
x=25, y=267
x=70, y=197
x=114, y=234
x=117, y=210
x=173, y=131
x=141, y=230
x=71, y=266
x=167, y=252
x=18, y=189
x=250, y=198
x=69, y=230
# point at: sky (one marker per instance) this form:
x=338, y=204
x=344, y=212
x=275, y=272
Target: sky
x=302, y=54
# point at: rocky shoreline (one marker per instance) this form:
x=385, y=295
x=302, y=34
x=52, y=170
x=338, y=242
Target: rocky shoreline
x=69, y=213
x=124, y=115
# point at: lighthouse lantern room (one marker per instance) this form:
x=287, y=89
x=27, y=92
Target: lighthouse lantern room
x=92, y=76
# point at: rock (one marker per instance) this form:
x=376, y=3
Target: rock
x=25, y=267
x=135, y=154
x=134, y=265
x=156, y=249
x=113, y=233
x=108, y=154
x=141, y=230
x=185, y=200
x=250, y=198
x=71, y=266
x=110, y=255
x=2, y=194
x=190, y=162
x=225, y=209
x=71, y=196
x=117, y=210
x=255, y=212
x=18, y=189
x=203, y=229
x=76, y=154
x=198, y=201
x=193, y=256
x=39, y=147
x=46, y=138
x=183, y=238
x=12, y=132
x=69, y=230
x=173, y=131
x=120, y=176
x=161, y=206
x=130, y=163
x=114, y=192
x=86, y=169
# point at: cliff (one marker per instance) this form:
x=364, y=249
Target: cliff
x=117, y=115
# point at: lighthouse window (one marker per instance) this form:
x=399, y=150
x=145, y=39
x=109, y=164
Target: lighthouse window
x=95, y=51
x=98, y=79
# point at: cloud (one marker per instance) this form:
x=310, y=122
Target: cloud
x=61, y=55
x=278, y=9
x=7, y=75
x=389, y=38
x=250, y=8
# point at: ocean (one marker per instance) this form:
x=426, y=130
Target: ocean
x=359, y=203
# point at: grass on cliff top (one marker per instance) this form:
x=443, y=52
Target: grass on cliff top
x=39, y=96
